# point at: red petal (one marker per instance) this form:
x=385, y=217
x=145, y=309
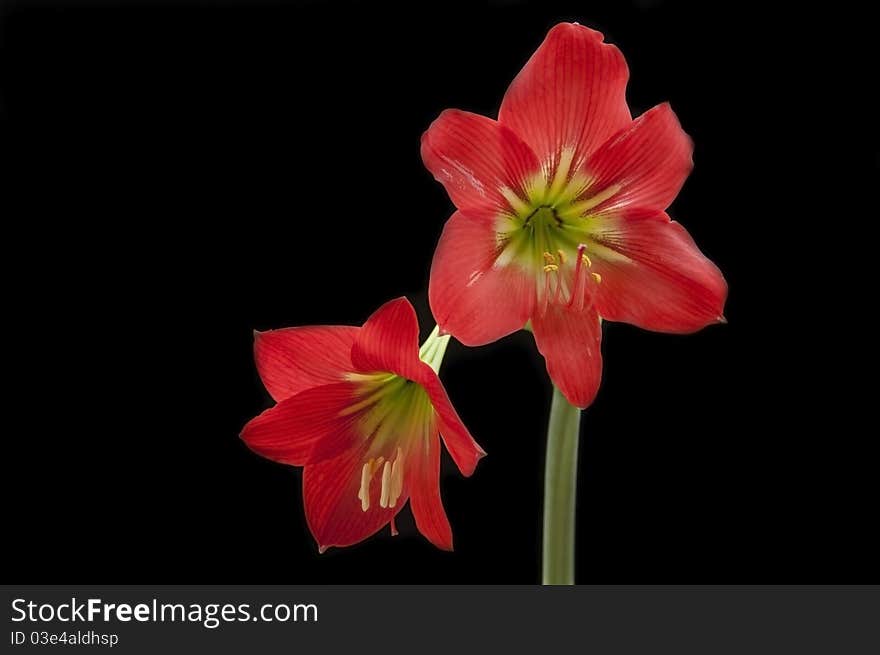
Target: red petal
x=663, y=282
x=461, y=445
x=294, y=359
x=474, y=157
x=333, y=509
x=389, y=341
x=571, y=344
x=305, y=427
x=470, y=298
x=649, y=160
x=571, y=93
x=427, y=507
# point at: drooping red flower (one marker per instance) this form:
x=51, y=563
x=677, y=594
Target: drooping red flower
x=363, y=414
x=561, y=217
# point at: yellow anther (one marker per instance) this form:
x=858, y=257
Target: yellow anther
x=550, y=267
x=562, y=256
x=587, y=260
x=549, y=259
x=597, y=277
x=396, y=479
x=386, y=485
x=367, y=472
x=364, y=492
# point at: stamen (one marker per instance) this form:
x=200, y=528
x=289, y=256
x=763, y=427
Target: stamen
x=386, y=485
x=560, y=289
x=550, y=267
x=562, y=256
x=597, y=277
x=367, y=471
x=549, y=259
x=577, y=292
x=587, y=260
x=543, y=292
x=396, y=479
x=364, y=492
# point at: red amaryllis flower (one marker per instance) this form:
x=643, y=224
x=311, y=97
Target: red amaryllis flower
x=561, y=217
x=362, y=413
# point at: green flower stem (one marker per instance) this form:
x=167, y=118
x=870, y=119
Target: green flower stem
x=434, y=348
x=560, y=487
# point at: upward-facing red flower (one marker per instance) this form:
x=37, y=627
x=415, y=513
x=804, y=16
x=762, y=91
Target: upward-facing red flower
x=362, y=413
x=561, y=217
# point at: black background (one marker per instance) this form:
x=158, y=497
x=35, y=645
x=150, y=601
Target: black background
x=184, y=174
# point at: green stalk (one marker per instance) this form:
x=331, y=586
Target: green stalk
x=560, y=491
